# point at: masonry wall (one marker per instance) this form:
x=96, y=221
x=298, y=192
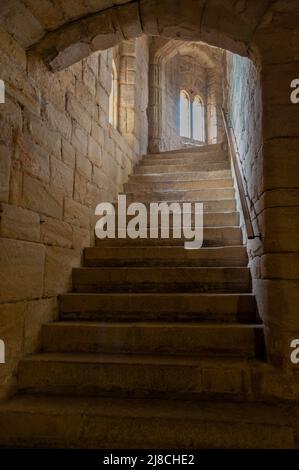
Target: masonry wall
x=59, y=158
x=269, y=168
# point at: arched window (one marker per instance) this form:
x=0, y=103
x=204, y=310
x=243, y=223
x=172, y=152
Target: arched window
x=185, y=115
x=113, y=98
x=198, y=119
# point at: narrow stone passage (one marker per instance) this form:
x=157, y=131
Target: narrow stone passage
x=156, y=344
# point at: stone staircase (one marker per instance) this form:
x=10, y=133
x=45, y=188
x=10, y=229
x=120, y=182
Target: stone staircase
x=157, y=346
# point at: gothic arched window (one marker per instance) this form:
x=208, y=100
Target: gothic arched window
x=198, y=119
x=185, y=115
x=113, y=98
x=192, y=117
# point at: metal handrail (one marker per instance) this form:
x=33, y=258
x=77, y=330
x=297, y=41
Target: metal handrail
x=239, y=179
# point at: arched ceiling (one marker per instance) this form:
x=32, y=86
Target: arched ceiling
x=65, y=31
x=164, y=50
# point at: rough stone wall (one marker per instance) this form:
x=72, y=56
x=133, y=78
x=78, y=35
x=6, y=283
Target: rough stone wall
x=270, y=172
x=59, y=158
x=244, y=103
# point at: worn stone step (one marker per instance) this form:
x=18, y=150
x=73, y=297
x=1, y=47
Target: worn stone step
x=224, y=205
x=198, y=195
x=189, y=158
x=166, y=256
x=185, y=176
x=198, y=150
x=163, y=168
x=127, y=423
x=136, y=375
x=210, y=219
x=164, y=279
x=149, y=186
x=159, y=306
x=152, y=338
x=212, y=236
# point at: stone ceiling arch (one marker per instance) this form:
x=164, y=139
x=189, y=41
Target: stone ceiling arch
x=66, y=31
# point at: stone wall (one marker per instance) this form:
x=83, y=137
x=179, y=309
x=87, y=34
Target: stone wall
x=269, y=165
x=59, y=158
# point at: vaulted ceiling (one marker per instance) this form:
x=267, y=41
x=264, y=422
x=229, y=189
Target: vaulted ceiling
x=65, y=31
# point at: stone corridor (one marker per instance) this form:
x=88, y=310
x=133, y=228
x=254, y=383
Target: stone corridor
x=100, y=337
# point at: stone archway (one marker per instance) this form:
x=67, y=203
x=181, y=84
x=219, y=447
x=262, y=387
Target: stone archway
x=66, y=32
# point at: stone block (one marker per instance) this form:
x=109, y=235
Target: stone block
x=89, y=79
x=56, y=232
x=11, y=112
x=97, y=133
x=85, y=98
x=58, y=120
x=62, y=176
x=68, y=154
x=34, y=159
x=280, y=227
x=94, y=152
x=58, y=270
x=280, y=121
x=22, y=270
x=93, y=197
x=83, y=166
x=37, y=313
x=127, y=95
x=11, y=48
x=19, y=223
x=105, y=77
x=280, y=266
x=281, y=163
x=79, y=140
x=278, y=302
x=81, y=238
x=77, y=112
x=48, y=139
x=93, y=62
x=5, y=162
x=76, y=214
x=102, y=98
x=42, y=198
x=80, y=188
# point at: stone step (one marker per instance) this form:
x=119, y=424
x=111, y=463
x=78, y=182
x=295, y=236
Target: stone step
x=212, y=236
x=166, y=256
x=224, y=205
x=187, y=158
x=136, y=375
x=227, y=308
x=186, y=176
x=210, y=219
x=197, y=195
x=126, y=423
x=161, y=168
x=152, y=338
x=148, y=186
x=203, y=149
x=164, y=279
